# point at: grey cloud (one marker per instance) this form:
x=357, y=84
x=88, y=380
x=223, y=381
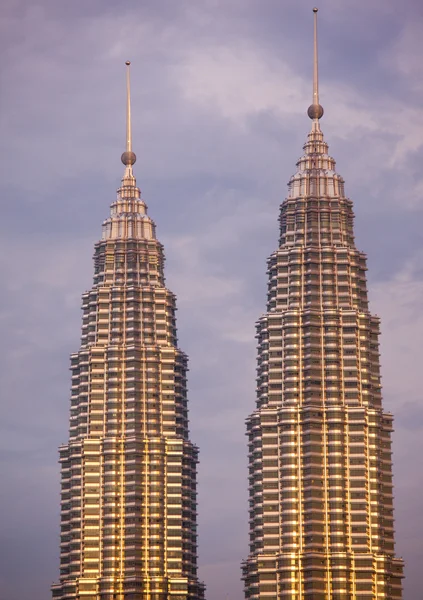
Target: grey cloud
x=213, y=161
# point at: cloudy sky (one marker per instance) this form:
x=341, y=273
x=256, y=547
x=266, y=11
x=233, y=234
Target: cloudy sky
x=220, y=90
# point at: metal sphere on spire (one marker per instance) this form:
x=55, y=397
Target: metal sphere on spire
x=128, y=158
x=315, y=111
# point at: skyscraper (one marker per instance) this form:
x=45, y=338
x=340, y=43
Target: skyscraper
x=128, y=502
x=320, y=468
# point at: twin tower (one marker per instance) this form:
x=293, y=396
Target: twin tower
x=320, y=468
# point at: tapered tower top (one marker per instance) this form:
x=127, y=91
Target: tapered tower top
x=128, y=157
x=315, y=110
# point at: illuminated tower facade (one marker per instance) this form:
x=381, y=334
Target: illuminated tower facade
x=128, y=492
x=320, y=464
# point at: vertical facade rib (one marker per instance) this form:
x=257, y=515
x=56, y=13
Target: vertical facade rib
x=128, y=501
x=320, y=464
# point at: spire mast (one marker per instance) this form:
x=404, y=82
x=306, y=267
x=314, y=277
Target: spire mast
x=128, y=108
x=315, y=63
x=128, y=157
x=315, y=111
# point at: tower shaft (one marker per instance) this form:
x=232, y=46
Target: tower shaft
x=128, y=503
x=320, y=464
x=321, y=514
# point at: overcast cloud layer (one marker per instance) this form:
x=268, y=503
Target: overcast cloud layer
x=220, y=90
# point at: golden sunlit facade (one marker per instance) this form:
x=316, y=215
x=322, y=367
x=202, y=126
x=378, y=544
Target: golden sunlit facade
x=128, y=503
x=320, y=463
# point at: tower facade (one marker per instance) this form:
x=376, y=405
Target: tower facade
x=320, y=464
x=128, y=471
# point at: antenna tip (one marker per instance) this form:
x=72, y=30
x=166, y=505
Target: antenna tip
x=128, y=62
x=315, y=10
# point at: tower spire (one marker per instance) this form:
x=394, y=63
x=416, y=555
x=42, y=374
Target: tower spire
x=128, y=157
x=315, y=110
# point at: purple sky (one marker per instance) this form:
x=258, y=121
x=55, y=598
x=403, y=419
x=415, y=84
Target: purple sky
x=220, y=90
